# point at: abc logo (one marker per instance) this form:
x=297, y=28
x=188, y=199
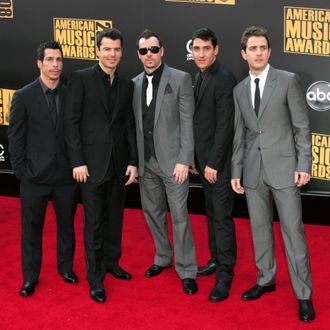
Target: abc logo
x=318, y=96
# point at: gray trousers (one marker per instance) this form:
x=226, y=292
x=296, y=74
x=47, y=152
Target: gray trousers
x=154, y=187
x=288, y=204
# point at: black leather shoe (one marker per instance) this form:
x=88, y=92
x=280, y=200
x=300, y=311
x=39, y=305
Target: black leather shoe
x=154, y=270
x=306, y=311
x=69, y=277
x=98, y=295
x=257, y=291
x=120, y=273
x=208, y=269
x=219, y=292
x=27, y=289
x=189, y=286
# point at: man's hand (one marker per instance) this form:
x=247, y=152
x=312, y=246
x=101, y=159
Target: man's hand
x=301, y=178
x=236, y=185
x=210, y=174
x=193, y=170
x=132, y=173
x=80, y=173
x=181, y=173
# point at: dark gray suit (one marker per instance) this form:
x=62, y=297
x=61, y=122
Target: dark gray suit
x=173, y=143
x=268, y=150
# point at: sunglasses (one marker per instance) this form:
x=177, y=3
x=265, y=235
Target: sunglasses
x=153, y=49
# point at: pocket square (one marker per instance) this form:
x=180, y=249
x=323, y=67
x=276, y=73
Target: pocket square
x=168, y=89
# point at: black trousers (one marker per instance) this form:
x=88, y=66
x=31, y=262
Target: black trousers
x=103, y=222
x=34, y=200
x=219, y=201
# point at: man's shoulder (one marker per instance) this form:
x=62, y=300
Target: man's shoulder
x=174, y=71
x=242, y=84
x=29, y=88
x=282, y=74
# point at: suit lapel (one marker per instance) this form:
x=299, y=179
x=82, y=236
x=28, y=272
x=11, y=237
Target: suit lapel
x=247, y=95
x=268, y=90
x=138, y=99
x=161, y=91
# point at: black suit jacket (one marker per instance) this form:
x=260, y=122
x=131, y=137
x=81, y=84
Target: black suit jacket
x=214, y=119
x=93, y=136
x=37, y=150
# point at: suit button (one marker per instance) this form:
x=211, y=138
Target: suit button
x=149, y=132
x=259, y=148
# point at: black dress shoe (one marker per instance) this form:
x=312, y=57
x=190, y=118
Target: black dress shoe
x=69, y=277
x=98, y=295
x=189, y=286
x=208, y=269
x=306, y=311
x=27, y=289
x=219, y=292
x=120, y=273
x=257, y=291
x=154, y=270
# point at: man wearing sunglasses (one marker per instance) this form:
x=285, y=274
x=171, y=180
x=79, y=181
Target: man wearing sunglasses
x=163, y=105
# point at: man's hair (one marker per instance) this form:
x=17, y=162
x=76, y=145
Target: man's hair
x=47, y=45
x=205, y=34
x=146, y=34
x=113, y=34
x=254, y=31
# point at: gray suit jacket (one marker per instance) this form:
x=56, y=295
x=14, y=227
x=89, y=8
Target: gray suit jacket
x=173, y=126
x=280, y=136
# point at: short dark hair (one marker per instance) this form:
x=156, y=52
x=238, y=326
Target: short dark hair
x=113, y=34
x=146, y=34
x=253, y=31
x=205, y=34
x=47, y=45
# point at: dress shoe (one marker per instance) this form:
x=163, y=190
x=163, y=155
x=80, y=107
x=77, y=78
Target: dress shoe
x=154, y=270
x=257, y=291
x=219, y=292
x=189, y=286
x=208, y=269
x=98, y=295
x=306, y=311
x=69, y=277
x=27, y=289
x=120, y=273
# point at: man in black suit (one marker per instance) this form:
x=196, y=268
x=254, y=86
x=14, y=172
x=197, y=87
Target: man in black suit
x=100, y=135
x=213, y=134
x=38, y=158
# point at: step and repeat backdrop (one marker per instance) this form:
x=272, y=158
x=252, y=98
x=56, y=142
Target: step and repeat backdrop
x=299, y=32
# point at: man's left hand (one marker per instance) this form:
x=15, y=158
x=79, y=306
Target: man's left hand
x=132, y=173
x=301, y=178
x=181, y=173
x=210, y=174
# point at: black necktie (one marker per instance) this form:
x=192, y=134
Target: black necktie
x=257, y=96
x=198, y=85
x=52, y=105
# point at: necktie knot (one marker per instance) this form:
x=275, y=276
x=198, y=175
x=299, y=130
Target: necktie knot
x=52, y=92
x=257, y=81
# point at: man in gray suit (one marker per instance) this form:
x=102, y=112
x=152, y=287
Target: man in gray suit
x=272, y=153
x=163, y=105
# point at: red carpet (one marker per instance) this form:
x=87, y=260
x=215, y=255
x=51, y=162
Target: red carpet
x=154, y=303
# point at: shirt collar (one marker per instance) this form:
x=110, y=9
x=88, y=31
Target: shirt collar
x=262, y=76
